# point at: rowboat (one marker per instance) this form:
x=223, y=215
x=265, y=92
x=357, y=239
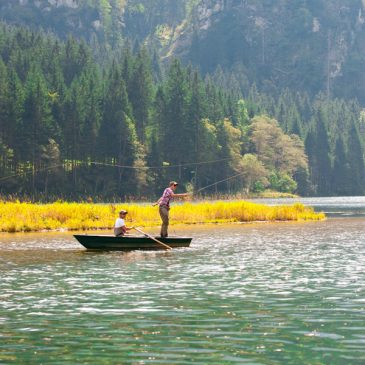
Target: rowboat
x=129, y=243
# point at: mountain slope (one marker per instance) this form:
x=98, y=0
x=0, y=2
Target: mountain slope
x=307, y=45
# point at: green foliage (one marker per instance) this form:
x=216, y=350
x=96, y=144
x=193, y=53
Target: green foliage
x=96, y=131
x=254, y=173
x=258, y=187
x=341, y=170
x=282, y=182
x=319, y=153
x=141, y=93
x=277, y=150
x=116, y=129
x=305, y=46
x=356, y=161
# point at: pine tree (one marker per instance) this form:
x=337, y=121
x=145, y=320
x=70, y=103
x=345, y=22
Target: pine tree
x=318, y=151
x=356, y=161
x=141, y=93
x=341, y=170
x=177, y=141
x=37, y=123
x=157, y=71
x=92, y=101
x=4, y=100
x=117, y=133
x=197, y=110
x=14, y=113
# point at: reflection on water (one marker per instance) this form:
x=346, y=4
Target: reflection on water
x=285, y=293
x=349, y=206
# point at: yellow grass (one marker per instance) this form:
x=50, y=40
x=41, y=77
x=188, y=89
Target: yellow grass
x=17, y=217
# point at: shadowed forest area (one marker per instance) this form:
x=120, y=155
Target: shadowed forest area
x=73, y=128
x=106, y=116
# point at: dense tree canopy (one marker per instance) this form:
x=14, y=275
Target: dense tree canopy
x=74, y=128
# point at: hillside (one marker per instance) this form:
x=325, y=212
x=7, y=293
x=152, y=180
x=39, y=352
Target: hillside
x=309, y=46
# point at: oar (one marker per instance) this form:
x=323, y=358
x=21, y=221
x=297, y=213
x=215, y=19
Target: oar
x=166, y=247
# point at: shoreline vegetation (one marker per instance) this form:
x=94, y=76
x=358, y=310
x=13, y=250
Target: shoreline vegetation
x=30, y=217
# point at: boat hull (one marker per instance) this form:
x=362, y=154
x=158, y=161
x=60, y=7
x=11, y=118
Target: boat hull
x=129, y=243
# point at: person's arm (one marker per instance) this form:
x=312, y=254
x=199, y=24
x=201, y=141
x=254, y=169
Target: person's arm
x=180, y=195
x=126, y=229
x=156, y=203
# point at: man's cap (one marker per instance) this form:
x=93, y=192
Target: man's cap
x=123, y=212
x=173, y=183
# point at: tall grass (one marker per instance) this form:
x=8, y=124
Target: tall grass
x=17, y=217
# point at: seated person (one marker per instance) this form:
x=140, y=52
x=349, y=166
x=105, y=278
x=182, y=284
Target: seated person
x=120, y=229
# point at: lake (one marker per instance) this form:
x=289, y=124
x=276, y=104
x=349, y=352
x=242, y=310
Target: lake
x=263, y=293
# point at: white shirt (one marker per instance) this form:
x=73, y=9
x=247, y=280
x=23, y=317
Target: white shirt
x=119, y=223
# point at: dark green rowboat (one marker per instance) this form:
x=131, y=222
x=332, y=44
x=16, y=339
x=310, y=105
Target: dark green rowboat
x=129, y=243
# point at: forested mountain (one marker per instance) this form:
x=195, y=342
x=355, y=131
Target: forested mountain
x=272, y=90
x=306, y=45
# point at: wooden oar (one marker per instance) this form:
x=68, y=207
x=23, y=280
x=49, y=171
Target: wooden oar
x=166, y=247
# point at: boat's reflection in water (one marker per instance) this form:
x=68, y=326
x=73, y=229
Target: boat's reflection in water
x=56, y=248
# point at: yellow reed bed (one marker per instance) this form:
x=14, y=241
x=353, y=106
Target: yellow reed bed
x=17, y=217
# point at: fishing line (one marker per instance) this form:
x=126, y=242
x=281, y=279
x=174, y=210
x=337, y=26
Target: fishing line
x=30, y=172
x=220, y=181
x=159, y=167
x=136, y=168
x=116, y=165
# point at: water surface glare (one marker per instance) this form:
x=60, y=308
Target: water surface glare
x=284, y=293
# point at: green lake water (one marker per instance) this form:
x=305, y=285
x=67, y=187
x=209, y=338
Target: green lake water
x=283, y=293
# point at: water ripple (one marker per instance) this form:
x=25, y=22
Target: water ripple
x=290, y=293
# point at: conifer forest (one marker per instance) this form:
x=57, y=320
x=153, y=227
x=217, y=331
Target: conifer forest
x=117, y=113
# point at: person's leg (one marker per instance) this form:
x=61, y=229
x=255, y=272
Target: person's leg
x=118, y=232
x=164, y=214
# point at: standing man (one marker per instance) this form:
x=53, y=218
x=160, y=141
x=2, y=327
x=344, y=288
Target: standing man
x=164, y=205
x=120, y=229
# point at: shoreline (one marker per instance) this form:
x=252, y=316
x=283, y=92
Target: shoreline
x=182, y=225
